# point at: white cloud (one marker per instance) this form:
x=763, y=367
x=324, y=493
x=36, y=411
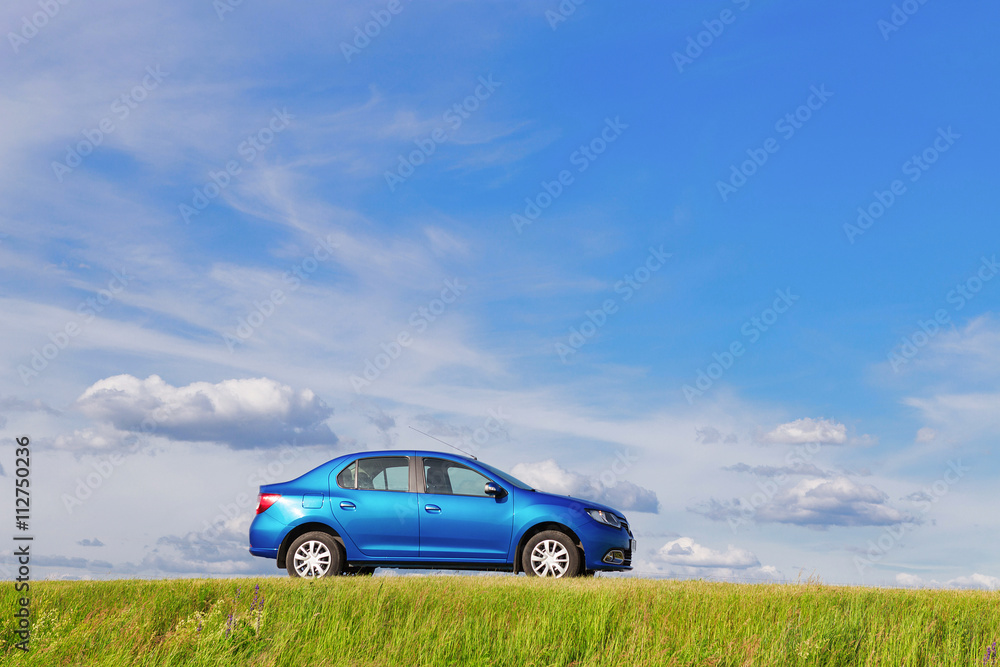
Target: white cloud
x=974, y=581
x=812, y=502
x=926, y=434
x=685, y=551
x=977, y=580
x=909, y=580
x=241, y=413
x=807, y=430
x=622, y=495
x=685, y=558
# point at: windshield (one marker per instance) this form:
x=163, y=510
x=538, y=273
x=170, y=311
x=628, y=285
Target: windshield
x=510, y=479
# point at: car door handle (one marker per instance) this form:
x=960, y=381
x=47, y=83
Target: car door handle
x=347, y=506
x=433, y=509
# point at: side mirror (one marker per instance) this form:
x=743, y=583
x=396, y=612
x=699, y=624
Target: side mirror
x=492, y=489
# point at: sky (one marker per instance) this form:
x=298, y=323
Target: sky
x=728, y=267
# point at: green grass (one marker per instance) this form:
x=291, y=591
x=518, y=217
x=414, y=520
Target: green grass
x=508, y=621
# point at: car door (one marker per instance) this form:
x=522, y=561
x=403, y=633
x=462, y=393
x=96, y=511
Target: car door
x=456, y=517
x=375, y=502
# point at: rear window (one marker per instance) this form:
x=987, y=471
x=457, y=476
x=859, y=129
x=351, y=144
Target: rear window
x=381, y=473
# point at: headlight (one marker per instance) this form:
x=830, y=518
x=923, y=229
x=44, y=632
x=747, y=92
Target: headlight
x=607, y=518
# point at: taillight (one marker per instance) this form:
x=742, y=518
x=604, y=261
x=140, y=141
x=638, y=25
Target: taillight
x=265, y=500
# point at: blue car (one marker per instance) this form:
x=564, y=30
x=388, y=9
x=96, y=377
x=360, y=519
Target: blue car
x=421, y=509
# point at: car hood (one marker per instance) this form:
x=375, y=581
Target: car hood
x=570, y=501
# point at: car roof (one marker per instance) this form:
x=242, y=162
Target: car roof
x=407, y=452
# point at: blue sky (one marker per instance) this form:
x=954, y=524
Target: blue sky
x=727, y=266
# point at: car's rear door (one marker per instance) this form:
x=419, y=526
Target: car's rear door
x=456, y=517
x=374, y=500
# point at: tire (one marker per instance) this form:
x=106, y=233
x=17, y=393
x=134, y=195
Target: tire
x=314, y=555
x=551, y=554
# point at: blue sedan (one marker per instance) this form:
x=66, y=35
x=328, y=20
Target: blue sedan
x=422, y=509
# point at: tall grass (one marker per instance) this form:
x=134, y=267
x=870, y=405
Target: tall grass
x=451, y=620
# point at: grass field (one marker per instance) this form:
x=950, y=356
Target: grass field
x=505, y=620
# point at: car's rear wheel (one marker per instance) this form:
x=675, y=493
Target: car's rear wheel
x=551, y=554
x=314, y=555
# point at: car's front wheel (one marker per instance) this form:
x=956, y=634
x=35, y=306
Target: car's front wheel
x=551, y=554
x=314, y=555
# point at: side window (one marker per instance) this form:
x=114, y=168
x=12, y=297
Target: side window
x=452, y=478
x=387, y=473
x=346, y=479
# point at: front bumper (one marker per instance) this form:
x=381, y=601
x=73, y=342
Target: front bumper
x=599, y=541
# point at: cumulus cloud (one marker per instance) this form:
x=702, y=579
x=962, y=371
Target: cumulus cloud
x=100, y=437
x=684, y=557
x=620, y=494
x=807, y=430
x=978, y=581
x=812, y=502
x=926, y=434
x=90, y=543
x=242, y=413
x=685, y=551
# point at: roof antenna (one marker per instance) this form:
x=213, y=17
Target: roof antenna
x=472, y=456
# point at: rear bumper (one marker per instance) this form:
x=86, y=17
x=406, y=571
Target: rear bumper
x=265, y=536
x=263, y=553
